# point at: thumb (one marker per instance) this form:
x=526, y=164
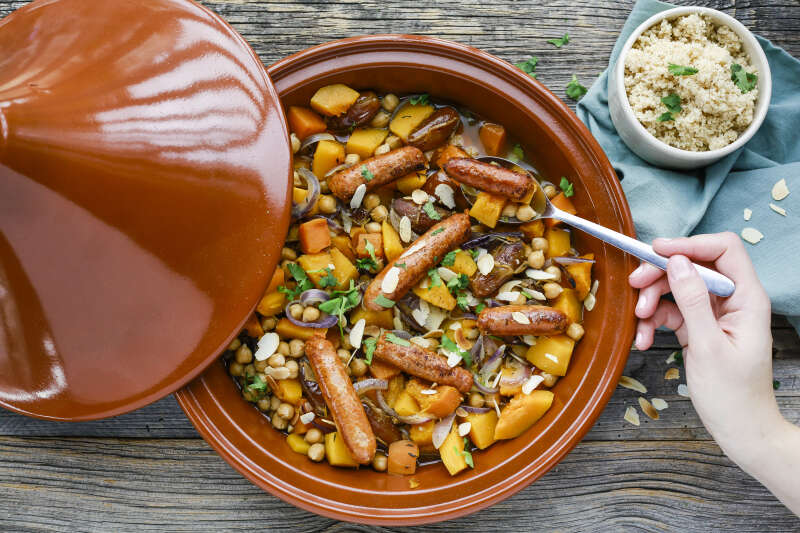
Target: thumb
x=691, y=295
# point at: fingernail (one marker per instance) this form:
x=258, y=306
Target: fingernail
x=641, y=303
x=638, y=341
x=680, y=267
x=638, y=271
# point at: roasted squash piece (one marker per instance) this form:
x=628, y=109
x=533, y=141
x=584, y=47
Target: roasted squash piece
x=402, y=458
x=288, y=390
x=551, y=354
x=382, y=319
x=343, y=270
x=377, y=244
x=406, y=405
x=314, y=236
x=521, y=413
x=336, y=451
x=487, y=208
x=569, y=303
x=287, y=330
x=315, y=265
x=381, y=370
x=408, y=183
x=464, y=264
x=558, y=241
x=328, y=154
x=482, y=425
x=561, y=202
x=392, y=247
x=364, y=141
x=581, y=274
x=422, y=434
x=298, y=195
x=452, y=452
x=493, y=138
x=409, y=117
x=297, y=443
x=303, y=122
x=438, y=296
x=333, y=100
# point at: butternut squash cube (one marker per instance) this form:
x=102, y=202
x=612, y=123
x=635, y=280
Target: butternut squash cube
x=422, y=434
x=551, y=354
x=482, y=426
x=377, y=244
x=558, y=241
x=569, y=304
x=438, y=296
x=303, y=122
x=336, y=451
x=487, y=208
x=493, y=138
x=253, y=327
x=445, y=401
x=464, y=264
x=288, y=390
x=396, y=386
x=565, y=204
x=314, y=235
x=271, y=303
x=288, y=331
x=409, y=117
x=315, y=265
x=297, y=443
x=343, y=244
x=581, y=274
x=445, y=154
x=381, y=370
x=328, y=154
x=409, y=182
x=534, y=228
x=452, y=452
x=406, y=405
x=364, y=141
x=299, y=195
x=383, y=319
x=333, y=100
x=343, y=269
x=392, y=247
x=521, y=413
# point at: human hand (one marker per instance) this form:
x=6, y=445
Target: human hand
x=727, y=341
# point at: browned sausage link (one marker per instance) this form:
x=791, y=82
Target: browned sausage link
x=383, y=169
x=422, y=363
x=435, y=130
x=490, y=178
x=542, y=320
x=341, y=398
x=418, y=258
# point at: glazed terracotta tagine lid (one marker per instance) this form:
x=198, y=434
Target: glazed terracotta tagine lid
x=144, y=196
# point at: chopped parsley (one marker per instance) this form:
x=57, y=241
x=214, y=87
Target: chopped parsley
x=366, y=263
x=394, y=339
x=341, y=302
x=255, y=383
x=679, y=358
x=383, y=301
x=431, y=211
x=745, y=81
x=436, y=280
x=529, y=66
x=679, y=70
x=450, y=345
x=561, y=41
x=303, y=283
x=467, y=455
x=366, y=174
x=421, y=99
x=450, y=258
x=574, y=89
x=474, y=253
x=673, y=105
x=776, y=384
x=517, y=154
x=437, y=232
x=400, y=265
x=462, y=301
x=566, y=187
x=458, y=283
x=481, y=307
x=369, y=348
x=370, y=248
x=329, y=280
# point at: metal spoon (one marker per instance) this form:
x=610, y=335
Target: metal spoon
x=716, y=282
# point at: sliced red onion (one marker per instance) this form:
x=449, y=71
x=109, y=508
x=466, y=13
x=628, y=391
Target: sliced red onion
x=476, y=410
x=314, y=139
x=476, y=353
x=493, y=363
x=367, y=385
x=403, y=334
x=336, y=169
x=314, y=296
x=571, y=260
x=325, y=321
x=483, y=240
x=517, y=377
x=312, y=184
x=476, y=382
x=332, y=222
x=442, y=429
x=413, y=419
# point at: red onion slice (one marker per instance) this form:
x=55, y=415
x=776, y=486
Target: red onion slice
x=314, y=139
x=483, y=240
x=476, y=382
x=442, y=429
x=325, y=321
x=314, y=296
x=476, y=353
x=413, y=419
x=564, y=260
x=471, y=409
x=370, y=384
x=312, y=184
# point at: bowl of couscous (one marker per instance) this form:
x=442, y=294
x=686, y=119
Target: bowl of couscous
x=691, y=86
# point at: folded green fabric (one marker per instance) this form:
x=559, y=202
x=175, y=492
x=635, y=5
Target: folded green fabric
x=667, y=203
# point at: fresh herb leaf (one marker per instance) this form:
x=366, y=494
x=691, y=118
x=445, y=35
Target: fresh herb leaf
x=383, y=301
x=369, y=348
x=450, y=258
x=745, y=81
x=474, y=253
x=329, y=280
x=366, y=263
x=430, y=211
x=341, y=302
x=575, y=90
x=517, y=154
x=421, y=99
x=561, y=41
x=481, y=306
x=366, y=174
x=256, y=383
x=776, y=384
x=566, y=187
x=400, y=265
x=394, y=339
x=450, y=345
x=437, y=231
x=529, y=66
x=458, y=283
x=672, y=102
x=436, y=280
x=679, y=70
x=664, y=117
x=303, y=283
x=467, y=455
x=370, y=248
x=462, y=301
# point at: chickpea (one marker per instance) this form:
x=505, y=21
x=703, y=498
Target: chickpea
x=358, y=367
x=379, y=214
x=540, y=243
x=324, y=188
x=293, y=368
x=261, y=366
x=276, y=360
x=278, y=422
x=235, y=369
x=383, y=149
x=509, y=210
x=551, y=290
x=390, y=102
x=372, y=331
x=327, y=203
x=296, y=310
x=249, y=395
x=550, y=191
x=520, y=300
x=575, y=331
x=346, y=343
x=285, y=410
x=249, y=371
x=234, y=345
x=536, y=259
x=295, y=143
x=310, y=314
x=316, y=452
x=380, y=462
x=274, y=403
x=269, y=323
x=555, y=271
x=296, y=348
x=352, y=159
x=285, y=264
x=371, y=201
x=394, y=142
x=380, y=120
x=549, y=379
x=525, y=213
x=344, y=355
x=263, y=404
x=283, y=348
x=244, y=355
x=313, y=436
x=373, y=227
x=476, y=399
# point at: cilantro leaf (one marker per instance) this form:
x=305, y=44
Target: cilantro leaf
x=679, y=358
x=342, y=302
x=517, y=154
x=458, y=283
x=256, y=383
x=561, y=41
x=437, y=231
x=303, y=283
x=450, y=345
x=529, y=66
x=664, y=117
x=436, y=280
x=366, y=263
x=566, y=187
x=679, y=70
x=462, y=301
x=474, y=253
x=745, y=81
x=450, y=258
x=366, y=174
x=575, y=90
x=481, y=306
x=672, y=102
x=369, y=348
x=383, y=301
x=400, y=265
x=467, y=455
x=370, y=248
x=394, y=339
x=421, y=99
x=329, y=280
x=431, y=211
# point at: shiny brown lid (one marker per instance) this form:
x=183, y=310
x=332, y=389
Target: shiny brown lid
x=144, y=196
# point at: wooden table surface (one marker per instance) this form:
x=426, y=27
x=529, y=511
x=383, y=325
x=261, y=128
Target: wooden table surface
x=151, y=471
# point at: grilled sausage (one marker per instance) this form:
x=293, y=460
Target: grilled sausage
x=383, y=169
x=502, y=321
x=420, y=257
x=435, y=130
x=420, y=221
x=423, y=363
x=341, y=398
x=490, y=178
x=508, y=258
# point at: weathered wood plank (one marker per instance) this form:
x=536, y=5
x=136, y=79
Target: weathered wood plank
x=183, y=485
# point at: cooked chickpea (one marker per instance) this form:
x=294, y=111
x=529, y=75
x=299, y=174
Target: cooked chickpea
x=285, y=410
x=346, y=343
x=234, y=345
x=371, y=201
x=509, y=210
x=373, y=227
x=358, y=367
x=394, y=142
x=285, y=264
x=263, y=404
x=372, y=331
x=296, y=348
x=243, y=354
x=551, y=290
x=274, y=403
x=380, y=120
x=313, y=436
x=310, y=314
x=316, y=452
x=476, y=399
x=324, y=188
x=520, y=300
x=390, y=102
x=249, y=395
x=269, y=323
x=379, y=214
x=525, y=213
x=549, y=379
x=296, y=310
x=536, y=259
x=276, y=360
x=278, y=422
x=540, y=243
x=327, y=204
x=293, y=368
x=575, y=331
x=352, y=159
x=380, y=462
x=550, y=191
x=555, y=271
x=283, y=348
x=235, y=369
x=261, y=365
x=383, y=149
x=295, y=143
x=344, y=355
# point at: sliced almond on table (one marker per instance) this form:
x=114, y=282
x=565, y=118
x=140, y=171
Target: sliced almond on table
x=632, y=384
x=781, y=211
x=647, y=408
x=683, y=390
x=780, y=190
x=752, y=235
x=748, y=213
x=632, y=416
x=672, y=373
x=659, y=404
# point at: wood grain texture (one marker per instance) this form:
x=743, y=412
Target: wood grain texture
x=150, y=471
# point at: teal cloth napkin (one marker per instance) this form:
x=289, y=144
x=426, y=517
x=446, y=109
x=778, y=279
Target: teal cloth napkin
x=667, y=203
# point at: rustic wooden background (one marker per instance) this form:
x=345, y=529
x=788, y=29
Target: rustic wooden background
x=150, y=470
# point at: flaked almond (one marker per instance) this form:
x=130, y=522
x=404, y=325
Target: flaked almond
x=780, y=190
x=539, y=275
x=267, y=345
x=683, y=390
x=781, y=211
x=306, y=418
x=446, y=274
x=672, y=373
x=748, y=213
x=647, y=408
x=589, y=302
x=419, y=196
x=420, y=316
x=595, y=286
x=413, y=483
x=277, y=373
x=632, y=416
x=453, y=359
x=390, y=280
x=530, y=340
x=508, y=286
x=464, y=429
x=358, y=196
x=536, y=295
x=422, y=341
x=632, y=384
x=445, y=194
x=357, y=333
x=428, y=392
x=510, y=296
x=752, y=235
x=404, y=229
x=461, y=412
x=454, y=326
x=520, y=318
x=461, y=340
x=659, y=404
x=486, y=264
x=530, y=385
x=671, y=359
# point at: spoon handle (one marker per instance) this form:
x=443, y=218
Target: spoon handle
x=716, y=282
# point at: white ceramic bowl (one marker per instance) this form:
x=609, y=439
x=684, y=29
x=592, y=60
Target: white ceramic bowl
x=642, y=142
